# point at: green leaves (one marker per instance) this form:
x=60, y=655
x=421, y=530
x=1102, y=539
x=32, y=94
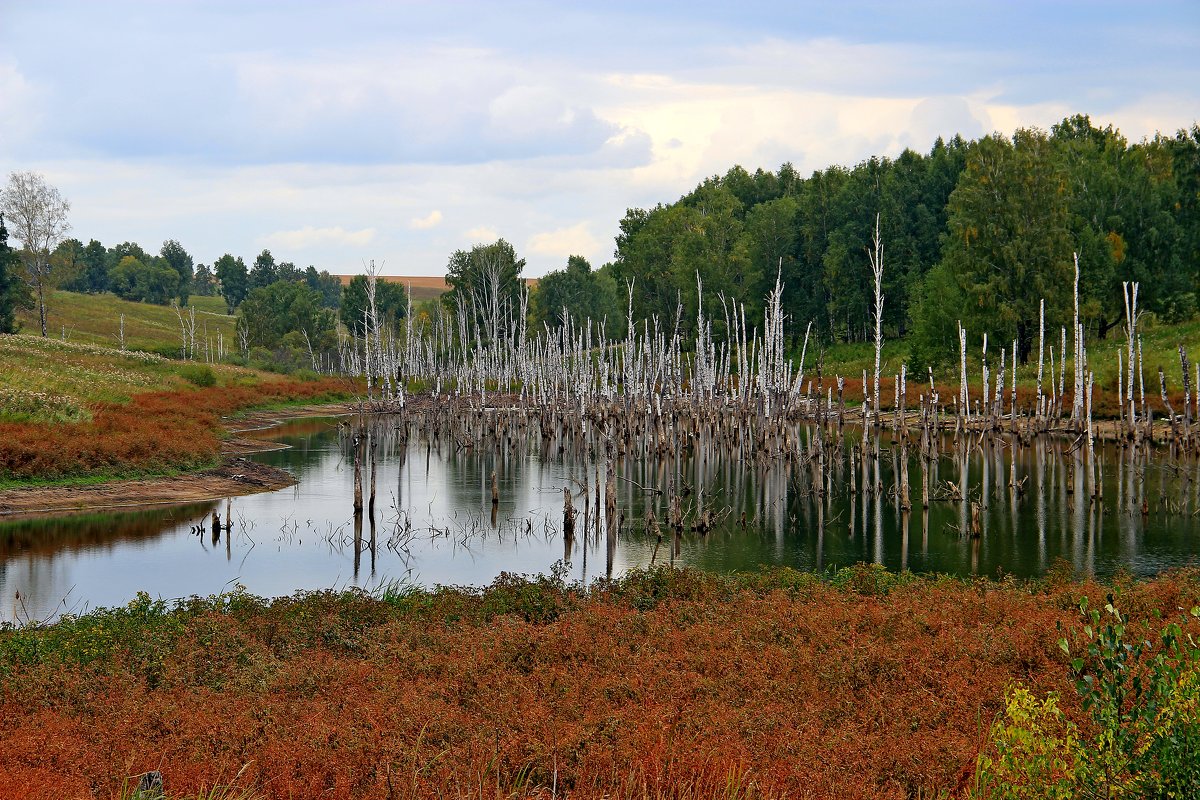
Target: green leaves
x=1008, y=243
x=1144, y=703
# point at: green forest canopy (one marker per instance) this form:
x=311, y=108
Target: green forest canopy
x=974, y=230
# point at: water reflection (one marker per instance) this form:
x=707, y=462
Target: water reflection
x=981, y=510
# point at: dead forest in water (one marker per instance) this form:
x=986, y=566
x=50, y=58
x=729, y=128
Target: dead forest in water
x=647, y=415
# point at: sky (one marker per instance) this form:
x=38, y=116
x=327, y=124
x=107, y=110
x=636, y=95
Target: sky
x=335, y=134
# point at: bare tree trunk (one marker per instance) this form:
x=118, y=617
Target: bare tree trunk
x=358, y=487
x=41, y=291
x=877, y=270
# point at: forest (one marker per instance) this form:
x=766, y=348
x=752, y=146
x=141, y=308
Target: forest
x=977, y=231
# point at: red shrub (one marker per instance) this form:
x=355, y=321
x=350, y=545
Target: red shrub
x=152, y=432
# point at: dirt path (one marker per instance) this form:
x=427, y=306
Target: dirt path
x=235, y=476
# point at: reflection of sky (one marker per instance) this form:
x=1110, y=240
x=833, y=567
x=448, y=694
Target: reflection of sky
x=302, y=537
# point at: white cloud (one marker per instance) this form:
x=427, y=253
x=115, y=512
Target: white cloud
x=19, y=101
x=407, y=129
x=426, y=222
x=575, y=240
x=309, y=236
x=482, y=234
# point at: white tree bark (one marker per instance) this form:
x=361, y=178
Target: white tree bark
x=36, y=215
x=877, y=270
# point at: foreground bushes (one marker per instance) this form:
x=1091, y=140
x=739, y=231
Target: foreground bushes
x=1141, y=733
x=152, y=433
x=856, y=684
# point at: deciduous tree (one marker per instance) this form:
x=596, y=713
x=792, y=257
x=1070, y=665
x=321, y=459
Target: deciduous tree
x=391, y=303
x=485, y=283
x=179, y=260
x=231, y=272
x=269, y=313
x=1008, y=244
x=37, y=214
x=264, y=272
x=154, y=282
x=583, y=293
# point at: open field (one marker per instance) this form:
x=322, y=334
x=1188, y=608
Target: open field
x=422, y=287
x=858, y=684
x=96, y=319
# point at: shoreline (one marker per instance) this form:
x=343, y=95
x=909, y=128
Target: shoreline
x=235, y=476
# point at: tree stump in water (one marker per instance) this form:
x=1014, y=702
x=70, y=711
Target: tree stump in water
x=568, y=513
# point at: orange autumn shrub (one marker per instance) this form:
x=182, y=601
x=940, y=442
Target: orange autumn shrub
x=153, y=432
x=662, y=684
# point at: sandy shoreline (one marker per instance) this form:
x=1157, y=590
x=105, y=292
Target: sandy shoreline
x=236, y=476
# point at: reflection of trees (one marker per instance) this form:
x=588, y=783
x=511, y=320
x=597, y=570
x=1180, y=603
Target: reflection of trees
x=307, y=441
x=46, y=536
x=29, y=547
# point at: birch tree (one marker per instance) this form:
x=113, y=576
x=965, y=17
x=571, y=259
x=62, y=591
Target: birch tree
x=37, y=214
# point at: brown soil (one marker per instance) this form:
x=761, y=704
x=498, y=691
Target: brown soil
x=236, y=476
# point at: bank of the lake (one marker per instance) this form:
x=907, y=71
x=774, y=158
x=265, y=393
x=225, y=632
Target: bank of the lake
x=235, y=476
x=664, y=683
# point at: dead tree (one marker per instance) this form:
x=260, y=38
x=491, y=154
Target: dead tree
x=876, y=256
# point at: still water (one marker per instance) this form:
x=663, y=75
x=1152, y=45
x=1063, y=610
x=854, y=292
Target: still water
x=434, y=521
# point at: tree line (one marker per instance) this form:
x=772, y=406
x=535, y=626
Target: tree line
x=979, y=231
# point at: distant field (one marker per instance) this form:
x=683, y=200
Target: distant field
x=423, y=287
x=96, y=319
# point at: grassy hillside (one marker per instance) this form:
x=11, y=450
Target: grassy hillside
x=51, y=380
x=96, y=319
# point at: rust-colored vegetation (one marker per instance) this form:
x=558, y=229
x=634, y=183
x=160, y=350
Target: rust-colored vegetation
x=663, y=684
x=154, y=432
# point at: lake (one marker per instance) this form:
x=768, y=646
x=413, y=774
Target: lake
x=434, y=521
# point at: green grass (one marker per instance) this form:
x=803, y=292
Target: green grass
x=57, y=379
x=92, y=479
x=51, y=380
x=96, y=319
x=1160, y=344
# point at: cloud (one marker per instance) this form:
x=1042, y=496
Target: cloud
x=484, y=234
x=944, y=117
x=375, y=118
x=575, y=240
x=21, y=116
x=431, y=220
x=309, y=236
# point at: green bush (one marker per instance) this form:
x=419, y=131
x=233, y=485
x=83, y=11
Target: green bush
x=198, y=375
x=1035, y=752
x=305, y=374
x=1144, y=739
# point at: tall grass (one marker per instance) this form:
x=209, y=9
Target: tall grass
x=96, y=319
